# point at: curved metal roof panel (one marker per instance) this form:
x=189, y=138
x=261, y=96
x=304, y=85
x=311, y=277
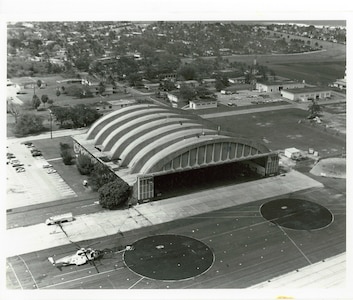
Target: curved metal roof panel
x=143, y=136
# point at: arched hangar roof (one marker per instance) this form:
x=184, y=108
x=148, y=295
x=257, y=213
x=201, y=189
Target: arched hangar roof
x=148, y=138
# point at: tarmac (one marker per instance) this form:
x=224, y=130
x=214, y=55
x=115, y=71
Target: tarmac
x=329, y=273
x=86, y=227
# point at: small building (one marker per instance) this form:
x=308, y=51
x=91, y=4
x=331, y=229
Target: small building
x=191, y=83
x=340, y=83
x=151, y=86
x=209, y=81
x=203, y=103
x=305, y=94
x=175, y=99
x=275, y=87
x=292, y=153
x=116, y=104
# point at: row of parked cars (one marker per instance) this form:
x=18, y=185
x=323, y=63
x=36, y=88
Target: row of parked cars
x=15, y=163
x=33, y=149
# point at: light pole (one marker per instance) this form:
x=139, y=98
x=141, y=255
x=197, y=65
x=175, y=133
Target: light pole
x=51, y=123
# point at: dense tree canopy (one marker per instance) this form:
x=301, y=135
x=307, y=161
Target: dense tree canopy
x=28, y=124
x=114, y=194
x=77, y=116
x=100, y=176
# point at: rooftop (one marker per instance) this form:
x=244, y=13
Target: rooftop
x=308, y=90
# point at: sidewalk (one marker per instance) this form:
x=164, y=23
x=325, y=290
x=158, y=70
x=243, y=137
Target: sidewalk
x=85, y=227
x=330, y=273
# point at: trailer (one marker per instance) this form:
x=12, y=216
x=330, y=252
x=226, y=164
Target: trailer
x=68, y=217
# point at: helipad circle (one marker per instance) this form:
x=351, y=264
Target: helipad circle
x=296, y=214
x=169, y=257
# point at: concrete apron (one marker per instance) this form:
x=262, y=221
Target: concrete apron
x=38, y=237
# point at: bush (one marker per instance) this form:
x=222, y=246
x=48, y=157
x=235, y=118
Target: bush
x=67, y=157
x=100, y=176
x=84, y=164
x=114, y=194
x=66, y=153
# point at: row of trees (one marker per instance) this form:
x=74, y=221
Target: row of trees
x=113, y=191
x=44, y=99
x=76, y=116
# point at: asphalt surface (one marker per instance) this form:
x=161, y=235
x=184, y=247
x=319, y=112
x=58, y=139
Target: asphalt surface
x=248, y=249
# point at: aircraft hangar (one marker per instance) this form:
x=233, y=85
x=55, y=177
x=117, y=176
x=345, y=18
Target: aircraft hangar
x=158, y=149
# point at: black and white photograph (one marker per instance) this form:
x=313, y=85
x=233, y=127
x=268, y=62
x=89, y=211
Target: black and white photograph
x=151, y=155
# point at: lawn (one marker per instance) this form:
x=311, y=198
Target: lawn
x=282, y=129
x=321, y=73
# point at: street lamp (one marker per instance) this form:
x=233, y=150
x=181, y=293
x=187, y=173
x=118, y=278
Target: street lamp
x=51, y=123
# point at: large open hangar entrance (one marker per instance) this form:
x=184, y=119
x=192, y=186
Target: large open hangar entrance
x=165, y=185
x=183, y=182
x=162, y=151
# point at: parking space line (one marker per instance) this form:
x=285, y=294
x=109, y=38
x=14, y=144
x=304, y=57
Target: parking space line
x=29, y=271
x=286, y=234
x=136, y=283
x=13, y=271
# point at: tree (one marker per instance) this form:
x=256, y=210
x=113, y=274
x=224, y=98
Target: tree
x=35, y=101
x=167, y=85
x=58, y=93
x=50, y=102
x=101, y=88
x=28, y=124
x=14, y=110
x=39, y=83
x=187, y=92
x=100, y=175
x=187, y=72
x=314, y=109
x=66, y=153
x=62, y=114
x=84, y=164
x=44, y=99
x=81, y=115
x=114, y=194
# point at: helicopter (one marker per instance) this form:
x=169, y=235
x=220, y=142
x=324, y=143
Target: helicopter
x=81, y=257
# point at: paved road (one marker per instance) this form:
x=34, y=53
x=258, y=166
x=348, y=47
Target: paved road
x=303, y=106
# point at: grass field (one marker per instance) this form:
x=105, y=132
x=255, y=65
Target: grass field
x=314, y=73
x=315, y=67
x=280, y=130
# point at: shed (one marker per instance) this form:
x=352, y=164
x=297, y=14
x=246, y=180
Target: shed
x=292, y=152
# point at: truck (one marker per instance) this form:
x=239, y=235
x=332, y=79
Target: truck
x=68, y=217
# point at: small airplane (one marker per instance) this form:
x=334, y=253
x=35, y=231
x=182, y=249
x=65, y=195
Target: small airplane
x=82, y=256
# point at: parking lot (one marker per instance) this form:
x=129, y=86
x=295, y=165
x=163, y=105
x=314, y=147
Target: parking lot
x=246, y=98
x=31, y=179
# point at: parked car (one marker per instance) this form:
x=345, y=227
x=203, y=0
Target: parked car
x=28, y=144
x=36, y=153
x=17, y=164
x=46, y=166
x=51, y=171
x=20, y=169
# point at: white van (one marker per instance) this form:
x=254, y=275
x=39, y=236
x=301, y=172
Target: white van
x=68, y=217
